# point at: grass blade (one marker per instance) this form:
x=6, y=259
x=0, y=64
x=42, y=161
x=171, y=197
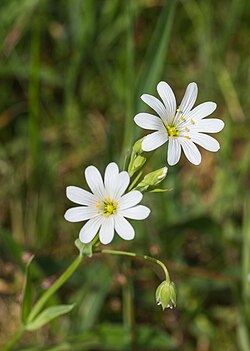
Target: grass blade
x=156, y=55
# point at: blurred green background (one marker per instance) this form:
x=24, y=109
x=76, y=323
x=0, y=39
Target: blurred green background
x=71, y=76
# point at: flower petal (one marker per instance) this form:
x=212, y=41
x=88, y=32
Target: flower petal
x=89, y=230
x=155, y=104
x=80, y=196
x=106, y=234
x=111, y=178
x=130, y=199
x=78, y=214
x=137, y=212
x=189, y=98
x=168, y=98
x=190, y=150
x=154, y=140
x=174, y=151
x=201, y=111
x=148, y=121
x=206, y=141
x=95, y=182
x=123, y=228
x=208, y=125
x=123, y=180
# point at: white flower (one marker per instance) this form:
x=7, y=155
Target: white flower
x=182, y=126
x=106, y=207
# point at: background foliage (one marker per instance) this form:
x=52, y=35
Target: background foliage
x=72, y=72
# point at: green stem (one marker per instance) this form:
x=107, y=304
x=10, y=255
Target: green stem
x=134, y=254
x=58, y=283
x=14, y=339
x=128, y=310
x=132, y=185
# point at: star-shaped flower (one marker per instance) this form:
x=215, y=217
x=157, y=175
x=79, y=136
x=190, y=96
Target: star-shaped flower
x=182, y=127
x=107, y=207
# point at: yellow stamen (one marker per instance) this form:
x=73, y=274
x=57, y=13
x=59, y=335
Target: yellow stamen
x=178, y=109
x=186, y=129
x=192, y=121
x=186, y=136
x=109, y=207
x=172, y=131
x=182, y=118
x=97, y=205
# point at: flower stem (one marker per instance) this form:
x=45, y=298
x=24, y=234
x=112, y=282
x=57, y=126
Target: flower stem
x=14, y=339
x=58, y=283
x=128, y=309
x=132, y=185
x=134, y=254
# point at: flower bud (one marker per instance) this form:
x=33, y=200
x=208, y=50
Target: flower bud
x=152, y=179
x=166, y=295
x=137, y=159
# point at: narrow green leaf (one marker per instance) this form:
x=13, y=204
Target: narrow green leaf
x=27, y=294
x=48, y=315
x=156, y=54
x=158, y=190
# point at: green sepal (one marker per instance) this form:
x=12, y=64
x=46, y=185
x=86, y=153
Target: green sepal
x=27, y=293
x=84, y=249
x=48, y=315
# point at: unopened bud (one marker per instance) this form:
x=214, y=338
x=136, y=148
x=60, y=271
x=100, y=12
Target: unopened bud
x=166, y=295
x=137, y=159
x=152, y=179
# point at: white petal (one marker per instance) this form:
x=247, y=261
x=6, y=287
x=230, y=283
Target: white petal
x=89, y=230
x=110, y=179
x=78, y=214
x=154, y=140
x=123, y=228
x=189, y=98
x=206, y=141
x=137, y=212
x=123, y=180
x=190, y=150
x=208, y=125
x=106, y=234
x=167, y=95
x=95, y=182
x=201, y=111
x=130, y=199
x=174, y=151
x=80, y=196
x=148, y=121
x=155, y=104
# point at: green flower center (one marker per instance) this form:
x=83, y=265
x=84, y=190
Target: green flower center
x=172, y=131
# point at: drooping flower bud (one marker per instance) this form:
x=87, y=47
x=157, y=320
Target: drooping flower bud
x=138, y=158
x=152, y=179
x=166, y=295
